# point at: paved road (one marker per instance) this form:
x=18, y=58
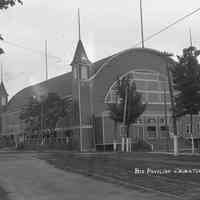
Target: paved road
x=27, y=178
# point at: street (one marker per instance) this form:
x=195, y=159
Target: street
x=27, y=178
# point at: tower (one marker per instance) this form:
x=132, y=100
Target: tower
x=80, y=63
x=3, y=99
x=3, y=92
x=81, y=66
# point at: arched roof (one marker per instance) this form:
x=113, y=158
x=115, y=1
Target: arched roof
x=62, y=85
x=101, y=64
x=107, y=70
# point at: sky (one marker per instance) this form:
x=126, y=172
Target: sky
x=107, y=27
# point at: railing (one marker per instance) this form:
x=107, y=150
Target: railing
x=41, y=141
x=110, y=146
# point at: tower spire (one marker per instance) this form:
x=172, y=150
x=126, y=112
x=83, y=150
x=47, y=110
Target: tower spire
x=79, y=25
x=190, y=32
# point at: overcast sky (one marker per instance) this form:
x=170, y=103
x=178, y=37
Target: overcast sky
x=107, y=26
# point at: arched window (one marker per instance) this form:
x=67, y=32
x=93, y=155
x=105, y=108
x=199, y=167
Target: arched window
x=152, y=85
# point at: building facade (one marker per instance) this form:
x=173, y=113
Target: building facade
x=90, y=87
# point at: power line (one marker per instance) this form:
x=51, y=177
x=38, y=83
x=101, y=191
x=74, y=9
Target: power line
x=169, y=26
x=146, y=39
x=34, y=51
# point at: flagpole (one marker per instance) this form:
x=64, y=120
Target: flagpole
x=142, y=25
x=46, y=60
x=79, y=88
x=79, y=25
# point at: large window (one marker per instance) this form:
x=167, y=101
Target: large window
x=152, y=85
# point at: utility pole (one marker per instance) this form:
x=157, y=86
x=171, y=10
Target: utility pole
x=46, y=60
x=141, y=24
x=79, y=88
x=166, y=121
x=173, y=110
x=124, y=118
x=190, y=32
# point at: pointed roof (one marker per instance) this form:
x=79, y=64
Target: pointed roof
x=80, y=56
x=3, y=89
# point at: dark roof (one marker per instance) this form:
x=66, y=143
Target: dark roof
x=99, y=65
x=80, y=56
x=3, y=89
x=62, y=85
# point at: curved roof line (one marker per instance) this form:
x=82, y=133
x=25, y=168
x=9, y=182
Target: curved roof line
x=44, y=84
x=132, y=71
x=18, y=93
x=127, y=50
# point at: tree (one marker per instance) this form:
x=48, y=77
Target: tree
x=186, y=81
x=54, y=108
x=5, y=4
x=30, y=115
x=43, y=113
x=128, y=106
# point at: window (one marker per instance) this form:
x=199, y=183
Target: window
x=162, y=120
x=3, y=101
x=151, y=131
x=84, y=73
x=75, y=73
x=164, y=131
x=140, y=121
x=151, y=120
x=150, y=84
x=113, y=96
x=164, y=128
x=188, y=129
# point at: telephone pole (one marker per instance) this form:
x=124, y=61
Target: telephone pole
x=173, y=110
x=46, y=60
x=142, y=25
